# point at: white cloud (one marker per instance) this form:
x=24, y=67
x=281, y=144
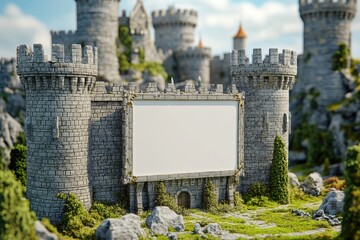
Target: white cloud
x=17, y=28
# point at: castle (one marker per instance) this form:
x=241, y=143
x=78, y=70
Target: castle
x=94, y=141
x=83, y=135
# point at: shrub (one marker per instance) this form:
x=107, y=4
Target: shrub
x=101, y=211
x=256, y=190
x=21, y=139
x=18, y=163
x=162, y=198
x=279, y=180
x=351, y=213
x=261, y=201
x=76, y=221
x=210, y=199
x=16, y=219
x=238, y=201
x=297, y=194
x=335, y=182
x=341, y=57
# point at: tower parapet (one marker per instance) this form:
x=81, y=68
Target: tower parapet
x=266, y=83
x=174, y=28
x=327, y=24
x=338, y=6
x=194, y=63
x=58, y=110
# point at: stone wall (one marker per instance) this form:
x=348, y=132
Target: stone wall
x=266, y=85
x=220, y=70
x=57, y=124
x=195, y=187
x=105, y=150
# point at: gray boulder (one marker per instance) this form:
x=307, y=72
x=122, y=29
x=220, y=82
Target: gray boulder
x=162, y=218
x=300, y=213
x=331, y=219
x=9, y=132
x=333, y=203
x=127, y=227
x=213, y=229
x=198, y=229
x=293, y=180
x=16, y=103
x=42, y=233
x=313, y=184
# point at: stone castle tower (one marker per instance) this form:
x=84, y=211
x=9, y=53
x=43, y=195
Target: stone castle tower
x=174, y=28
x=194, y=63
x=97, y=25
x=327, y=24
x=239, y=40
x=266, y=84
x=58, y=111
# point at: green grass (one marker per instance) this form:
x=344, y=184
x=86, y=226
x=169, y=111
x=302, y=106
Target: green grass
x=286, y=222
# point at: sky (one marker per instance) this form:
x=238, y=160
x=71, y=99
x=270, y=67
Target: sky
x=268, y=23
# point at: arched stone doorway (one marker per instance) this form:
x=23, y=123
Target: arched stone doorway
x=184, y=200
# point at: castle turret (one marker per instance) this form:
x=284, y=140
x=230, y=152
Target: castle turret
x=194, y=63
x=240, y=39
x=97, y=25
x=58, y=110
x=174, y=28
x=266, y=84
x=327, y=24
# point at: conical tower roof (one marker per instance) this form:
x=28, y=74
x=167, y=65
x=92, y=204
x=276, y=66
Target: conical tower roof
x=241, y=33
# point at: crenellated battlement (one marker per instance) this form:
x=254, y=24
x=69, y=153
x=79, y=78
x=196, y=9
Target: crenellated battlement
x=343, y=9
x=62, y=34
x=82, y=61
x=194, y=52
x=75, y=72
x=173, y=16
x=275, y=71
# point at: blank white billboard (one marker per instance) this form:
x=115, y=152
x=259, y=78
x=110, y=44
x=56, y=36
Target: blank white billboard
x=175, y=137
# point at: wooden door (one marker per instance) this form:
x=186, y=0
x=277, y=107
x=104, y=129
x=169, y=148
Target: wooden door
x=184, y=200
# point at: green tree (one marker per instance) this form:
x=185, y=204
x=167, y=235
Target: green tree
x=351, y=214
x=16, y=219
x=163, y=198
x=18, y=163
x=210, y=200
x=279, y=181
